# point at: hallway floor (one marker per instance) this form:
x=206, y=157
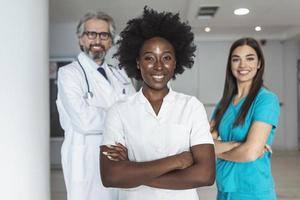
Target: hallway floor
x=286, y=171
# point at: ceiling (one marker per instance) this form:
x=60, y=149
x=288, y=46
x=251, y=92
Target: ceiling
x=279, y=19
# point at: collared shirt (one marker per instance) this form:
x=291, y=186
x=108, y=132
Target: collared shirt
x=181, y=123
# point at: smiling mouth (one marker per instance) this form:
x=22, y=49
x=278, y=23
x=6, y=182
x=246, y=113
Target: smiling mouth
x=243, y=72
x=97, y=47
x=158, y=77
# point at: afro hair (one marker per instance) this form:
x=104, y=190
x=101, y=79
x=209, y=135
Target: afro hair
x=154, y=24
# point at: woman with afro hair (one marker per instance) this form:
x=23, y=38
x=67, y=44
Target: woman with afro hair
x=157, y=143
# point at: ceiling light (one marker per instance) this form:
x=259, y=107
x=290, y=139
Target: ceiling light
x=241, y=11
x=207, y=29
x=257, y=28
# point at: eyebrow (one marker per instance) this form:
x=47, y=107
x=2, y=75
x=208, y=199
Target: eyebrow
x=146, y=52
x=251, y=54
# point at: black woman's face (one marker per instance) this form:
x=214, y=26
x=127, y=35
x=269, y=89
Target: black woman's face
x=157, y=63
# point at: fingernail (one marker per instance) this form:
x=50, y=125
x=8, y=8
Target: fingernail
x=109, y=146
x=105, y=153
x=109, y=157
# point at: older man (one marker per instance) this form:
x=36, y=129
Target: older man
x=86, y=89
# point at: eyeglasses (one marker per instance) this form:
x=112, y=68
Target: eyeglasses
x=92, y=35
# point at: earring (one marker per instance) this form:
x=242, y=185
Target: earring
x=138, y=66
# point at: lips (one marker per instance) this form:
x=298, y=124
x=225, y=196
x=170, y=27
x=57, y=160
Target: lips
x=157, y=77
x=97, y=47
x=243, y=72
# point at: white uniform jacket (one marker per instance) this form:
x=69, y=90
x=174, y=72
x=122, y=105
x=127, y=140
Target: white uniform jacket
x=83, y=122
x=180, y=124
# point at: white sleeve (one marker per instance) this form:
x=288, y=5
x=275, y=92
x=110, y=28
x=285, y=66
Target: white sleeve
x=200, y=133
x=113, y=131
x=85, y=118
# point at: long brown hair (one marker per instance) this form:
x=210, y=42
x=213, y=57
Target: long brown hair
x=230, y=88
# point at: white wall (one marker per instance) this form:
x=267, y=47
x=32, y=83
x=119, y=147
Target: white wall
x=291, y=54
x=24, y=101
x=63, y=40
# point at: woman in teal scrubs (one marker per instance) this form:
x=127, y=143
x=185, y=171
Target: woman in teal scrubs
x=243, y=127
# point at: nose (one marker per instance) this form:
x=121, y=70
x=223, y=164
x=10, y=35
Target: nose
x=97, y=39
x=242, y=63
x=158, y=65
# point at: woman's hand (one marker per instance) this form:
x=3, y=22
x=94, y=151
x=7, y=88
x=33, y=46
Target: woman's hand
x=267, y=148
x=116, y=152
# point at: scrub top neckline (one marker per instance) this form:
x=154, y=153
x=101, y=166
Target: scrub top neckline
x=239, y=102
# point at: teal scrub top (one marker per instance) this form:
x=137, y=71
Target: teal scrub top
x=255, y=176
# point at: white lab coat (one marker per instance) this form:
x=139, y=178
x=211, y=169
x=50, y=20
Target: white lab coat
x=83, y=122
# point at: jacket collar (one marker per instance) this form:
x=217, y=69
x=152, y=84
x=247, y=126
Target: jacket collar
x=88, y=64
x=168, y=98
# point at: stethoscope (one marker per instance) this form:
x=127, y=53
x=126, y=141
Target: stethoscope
x=89, y=94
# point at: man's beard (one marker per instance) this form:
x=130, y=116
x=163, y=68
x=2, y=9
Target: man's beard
x=95, y=55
